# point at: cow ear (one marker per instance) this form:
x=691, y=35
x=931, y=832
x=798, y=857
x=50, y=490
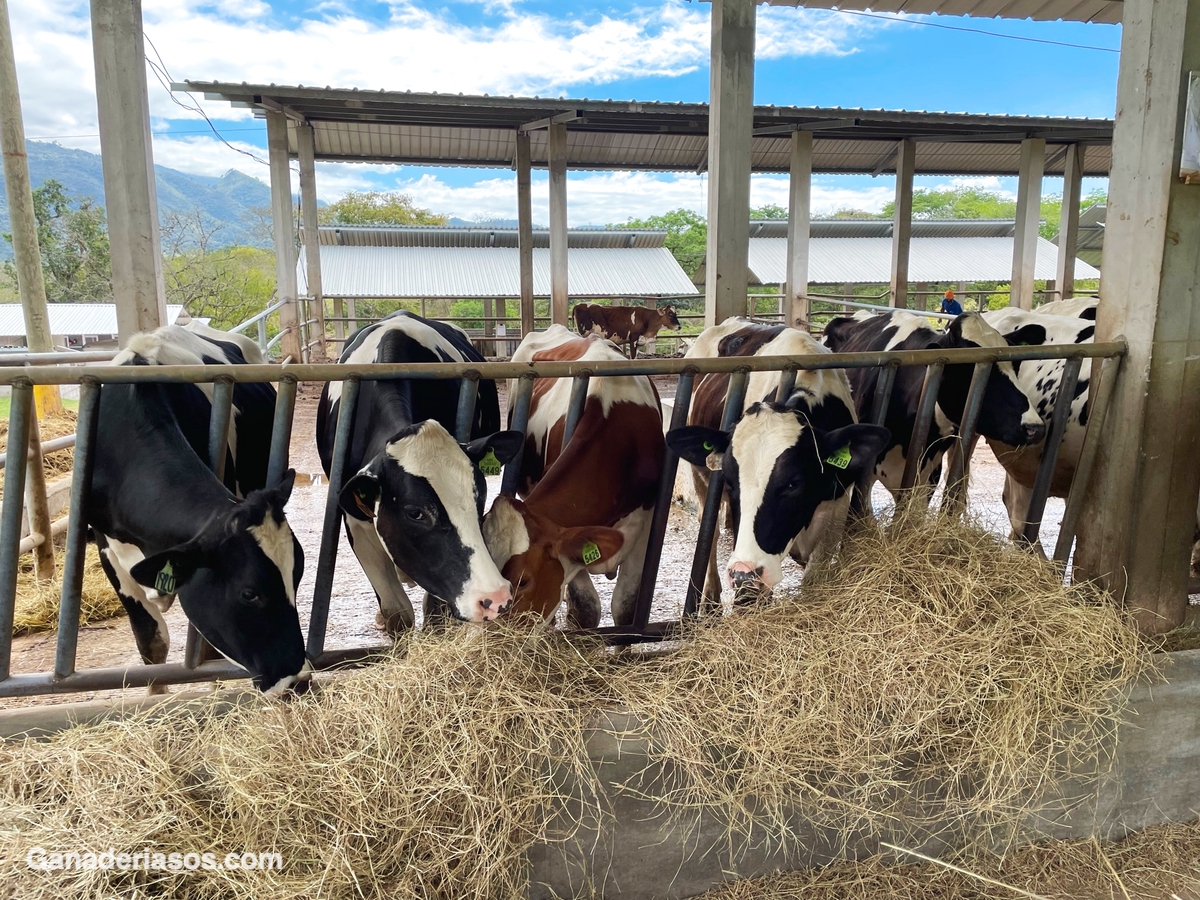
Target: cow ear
x=695, y=442
x=504, y=445
x=360, y=496
x=588, y=544
x=1026, y=336
x=282, y=490
x=851, y=450
x=168, y=571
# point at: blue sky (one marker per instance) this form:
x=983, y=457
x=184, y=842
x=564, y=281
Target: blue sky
x=643, y=49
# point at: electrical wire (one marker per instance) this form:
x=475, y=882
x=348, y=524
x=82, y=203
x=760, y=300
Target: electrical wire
x=996, y=34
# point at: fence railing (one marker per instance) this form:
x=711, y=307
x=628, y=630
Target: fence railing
x=64, y=677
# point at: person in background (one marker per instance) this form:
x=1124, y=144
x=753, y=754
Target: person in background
x=950, y=305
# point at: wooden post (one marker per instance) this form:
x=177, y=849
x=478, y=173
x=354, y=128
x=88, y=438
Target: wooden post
x=1068, y=220
x=1029, y=216
x=502, y=327
x=1139, y=513
x=795, y=304
x=557, y=150
x=906, y=164
x=130, y=196
x=730, y=125
x=27, y=255
x=285, y=248
x=525, y=231
x=305, y=144
x=489, y=328
x=37, y=504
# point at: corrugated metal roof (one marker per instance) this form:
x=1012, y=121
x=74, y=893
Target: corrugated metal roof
x=459, y=272
x=70, y=318
x=1103, y=11
x=450, y=129
x=868, y=260
x=857, y=228
x=441, y=236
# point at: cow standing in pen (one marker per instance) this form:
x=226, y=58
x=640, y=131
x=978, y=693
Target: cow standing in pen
x=166, y=527
x=624, y=324
x=789, y=463
x=587, y=506
x=413, y=501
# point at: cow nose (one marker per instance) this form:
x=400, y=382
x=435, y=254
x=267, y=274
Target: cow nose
x=491, y=605
x=1035, y=433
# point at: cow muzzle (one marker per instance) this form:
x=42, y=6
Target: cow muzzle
x=488, y=607
x=1034, y=433
x=748, y=583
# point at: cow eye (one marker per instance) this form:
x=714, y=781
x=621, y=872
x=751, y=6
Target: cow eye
x=415, y=513
x=250, y=595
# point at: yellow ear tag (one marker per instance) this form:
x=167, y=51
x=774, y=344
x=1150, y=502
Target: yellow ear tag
x=489, y=465
x=164, y=581
x=839, y=459
x=591, y=553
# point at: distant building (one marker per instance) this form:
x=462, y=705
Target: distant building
x=74, y=326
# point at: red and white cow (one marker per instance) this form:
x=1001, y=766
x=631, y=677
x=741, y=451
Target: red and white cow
x=587, y=507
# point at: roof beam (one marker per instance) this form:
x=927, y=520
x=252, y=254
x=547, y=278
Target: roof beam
x=575, y=115
x=275, y=106
x=804, y=126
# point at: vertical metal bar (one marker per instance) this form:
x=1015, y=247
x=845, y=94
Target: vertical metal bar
x=1058, y=427
x=920, y=436
x=519, y=421
x=81, y=484
x=468, y=392
x=579, y=392
x=318, y=618
x=960, y=467
x=787, y=383
x=735, y=398
x=339, y=325
x=1098, y=410
x=218, y=426
x=662, y=506
x=281, y=429
x=15, y=459
x=885, y=380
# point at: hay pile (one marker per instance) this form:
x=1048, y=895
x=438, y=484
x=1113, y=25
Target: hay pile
x=37, y=601
x=432, y=773
x=60, y=462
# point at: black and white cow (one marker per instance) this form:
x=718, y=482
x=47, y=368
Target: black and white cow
x=413, y=506
x=789, y=466
x=1008, y=413
x=166, y=527
x=1072, y=307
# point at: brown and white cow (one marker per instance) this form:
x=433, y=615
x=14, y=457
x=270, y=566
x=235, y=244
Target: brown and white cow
x=789, y=466
x=624, y=324
x=587, y=507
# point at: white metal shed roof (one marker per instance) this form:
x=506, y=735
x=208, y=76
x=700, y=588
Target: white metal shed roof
x=71, y=318
x=1103, y=11
x=459, y=272
x=868, y=260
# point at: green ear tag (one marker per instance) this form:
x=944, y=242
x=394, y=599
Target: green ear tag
x=839, y=459
x=708, y=446
x=164, y=581
x=591, y=553
x=489, y=465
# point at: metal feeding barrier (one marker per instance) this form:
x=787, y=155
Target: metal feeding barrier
x=66, y=678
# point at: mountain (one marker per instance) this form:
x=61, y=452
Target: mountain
x=227, y=200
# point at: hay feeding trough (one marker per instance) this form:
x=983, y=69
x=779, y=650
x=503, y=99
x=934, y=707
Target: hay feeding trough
x=931, y=682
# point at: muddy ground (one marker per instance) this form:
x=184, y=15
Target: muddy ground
x=353, y=604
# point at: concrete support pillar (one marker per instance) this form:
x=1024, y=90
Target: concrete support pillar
x=1029, y=216
x=130, y=198
x=525, y=231
x=285, y=249
x=799, y=215
x=906, y=163
x=1139, y=512
x=848, y=292
x=1068, y=220
x=308, y=214
x=730, y=125
x=557, y=152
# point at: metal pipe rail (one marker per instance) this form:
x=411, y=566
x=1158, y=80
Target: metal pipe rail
x=65, y=678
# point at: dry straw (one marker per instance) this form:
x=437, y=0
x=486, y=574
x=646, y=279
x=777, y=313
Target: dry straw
x=38, y=601
x=930, y=653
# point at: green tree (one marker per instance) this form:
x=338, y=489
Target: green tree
x=378, y=208
x=74, y=245
x=956, y=203
x=687, y=235
x=770, y=211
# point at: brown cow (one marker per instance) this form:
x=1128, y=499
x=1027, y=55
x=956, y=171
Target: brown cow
x=588, y=506
x=624, y=324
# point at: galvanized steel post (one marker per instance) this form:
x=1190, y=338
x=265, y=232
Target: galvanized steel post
x=575, y=407
x=960, y=464
x=518, y=421
x=281, y=429
x=20, y=408
x=920, y=436
x=468, y=392
x=1045, y=473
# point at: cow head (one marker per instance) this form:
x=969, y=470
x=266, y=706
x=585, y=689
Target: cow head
x=237, y=583
x=424, y=493
x=1008, y=414
x=540, y=557
x=670, y=318
x=782, y=473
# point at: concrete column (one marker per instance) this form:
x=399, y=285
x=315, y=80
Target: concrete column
x=525, y=231
x=130, y=198
x=906, y=164
x=1029, y=216
x=921, y=301
x=281, y=218
x=558, y=223
x=308, y=213
x=1068, y=220
x=848, y=292
x=799, y=215
x=730, y=124
x=1139, y=512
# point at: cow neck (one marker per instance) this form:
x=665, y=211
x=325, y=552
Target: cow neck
x=381, y=416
